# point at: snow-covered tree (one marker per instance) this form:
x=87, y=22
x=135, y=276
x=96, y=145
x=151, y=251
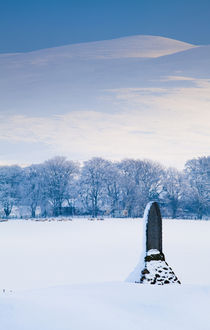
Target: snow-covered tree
x=113, y=189
x=197, y=172
x=57, y=176
x=141, y=182
x=103, y=187
x=128, y=185
x=93, y=188
x=173, y=187
x=10, y=179
x=32, y=187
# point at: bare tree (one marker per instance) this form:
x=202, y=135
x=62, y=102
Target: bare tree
x=198, y=175
x=173, y=183
x=10, y=178
x=32, y=187
x=113, y=188
x=141, y=182
x=93, y=177
x=58, y=173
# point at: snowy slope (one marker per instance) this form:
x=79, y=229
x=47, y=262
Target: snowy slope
x=108, y=306
x=70, y=275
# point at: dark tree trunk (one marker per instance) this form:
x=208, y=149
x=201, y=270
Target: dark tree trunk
x=55, y=211
x=7, y=211
x=33, y=213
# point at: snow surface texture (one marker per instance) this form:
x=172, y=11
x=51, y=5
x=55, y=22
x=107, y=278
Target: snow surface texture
x=70, y=276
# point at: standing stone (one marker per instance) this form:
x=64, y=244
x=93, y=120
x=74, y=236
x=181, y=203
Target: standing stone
x=154, y=228
x=156, y=270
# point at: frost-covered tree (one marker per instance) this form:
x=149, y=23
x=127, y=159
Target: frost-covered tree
x=150, y=179
x=58, y=174
x=173, y=186
x=100, y=186
x=197, y=172
x=128, y=185
x=10, y=179
x=72, y=194
x=113, y=189
x=141, y=182
x=92, y=183
x=32, y=187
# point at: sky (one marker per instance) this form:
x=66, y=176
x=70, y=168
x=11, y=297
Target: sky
x=134, y=97
x=34, y=24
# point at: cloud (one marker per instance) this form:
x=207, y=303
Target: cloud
x=178, y=78
x=168, y=125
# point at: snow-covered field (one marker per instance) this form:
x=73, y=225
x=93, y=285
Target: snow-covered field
x=71, y=275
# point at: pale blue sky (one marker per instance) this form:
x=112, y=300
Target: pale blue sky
x=33, y=24
x=138, y=97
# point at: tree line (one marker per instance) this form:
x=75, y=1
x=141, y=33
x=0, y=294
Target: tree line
x=100, y=187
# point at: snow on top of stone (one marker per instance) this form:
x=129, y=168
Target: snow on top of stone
x=134, y=276
x=153, y=251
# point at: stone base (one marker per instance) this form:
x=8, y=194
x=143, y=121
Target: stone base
x=156, y=270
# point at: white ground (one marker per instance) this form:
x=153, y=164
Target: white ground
x=71, y=275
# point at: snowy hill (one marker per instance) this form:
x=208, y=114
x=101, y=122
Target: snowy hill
x=71, y=275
